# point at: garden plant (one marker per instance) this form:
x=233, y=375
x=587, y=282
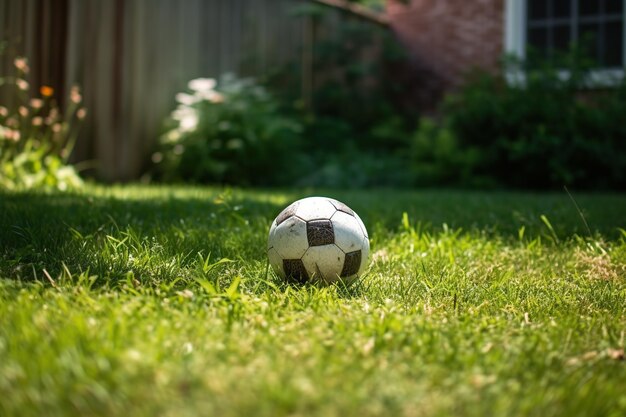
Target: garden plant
x=37, y=136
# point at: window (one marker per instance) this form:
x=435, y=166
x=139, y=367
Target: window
x=550, y=27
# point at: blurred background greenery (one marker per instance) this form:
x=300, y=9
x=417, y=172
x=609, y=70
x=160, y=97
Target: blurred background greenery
x=336, y=107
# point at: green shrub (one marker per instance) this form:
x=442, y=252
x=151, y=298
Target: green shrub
x=337, y=156
x=437, y=158
x=36, y=137
x=229, y=132
x=354, y=168
x=546, y=132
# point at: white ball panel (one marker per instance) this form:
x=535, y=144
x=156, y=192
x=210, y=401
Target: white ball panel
x=326, y=261
x=289, y=238
x=314, y=208
x=276, y=262
x=271, y=237
x=363, y=229
x=365, y=253
x=348, y=233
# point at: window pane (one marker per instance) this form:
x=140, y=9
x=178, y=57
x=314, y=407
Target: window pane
x=613, y=6
x=562, y=8
x=537, y=9
x=561, y=37
x=613, y=44
x=588, y=7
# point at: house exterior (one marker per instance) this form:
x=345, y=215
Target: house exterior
x=449, y=38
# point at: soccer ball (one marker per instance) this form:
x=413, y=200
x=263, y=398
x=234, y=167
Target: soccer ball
x=318, y=239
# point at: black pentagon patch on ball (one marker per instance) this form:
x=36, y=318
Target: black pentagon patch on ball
x=351, y=264
x=294, y=269
x=320, y=232
x=341, y=207
x=286, y=213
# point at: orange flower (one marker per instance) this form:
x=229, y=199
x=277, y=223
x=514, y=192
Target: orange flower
x=46, y=91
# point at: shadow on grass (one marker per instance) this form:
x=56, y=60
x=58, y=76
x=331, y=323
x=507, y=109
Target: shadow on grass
x=102, y=233
x=157, y=231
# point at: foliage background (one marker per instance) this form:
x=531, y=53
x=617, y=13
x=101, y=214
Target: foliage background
x=543, y=131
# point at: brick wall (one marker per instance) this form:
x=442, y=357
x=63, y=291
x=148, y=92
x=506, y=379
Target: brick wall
x=448, y=38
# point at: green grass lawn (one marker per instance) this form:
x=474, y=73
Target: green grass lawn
x=158, y=301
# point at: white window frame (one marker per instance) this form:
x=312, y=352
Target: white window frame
x=515, y=45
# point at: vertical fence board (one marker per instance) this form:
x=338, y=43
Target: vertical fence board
x=103, y=112
x=29, y=27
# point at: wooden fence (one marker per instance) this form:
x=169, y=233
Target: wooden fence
x=131, y=57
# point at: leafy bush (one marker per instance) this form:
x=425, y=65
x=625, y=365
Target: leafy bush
x=229, y=132
x=437, y=158
x=338, y=157
x=36, y=137
x=548, y=131
x=354, y=168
